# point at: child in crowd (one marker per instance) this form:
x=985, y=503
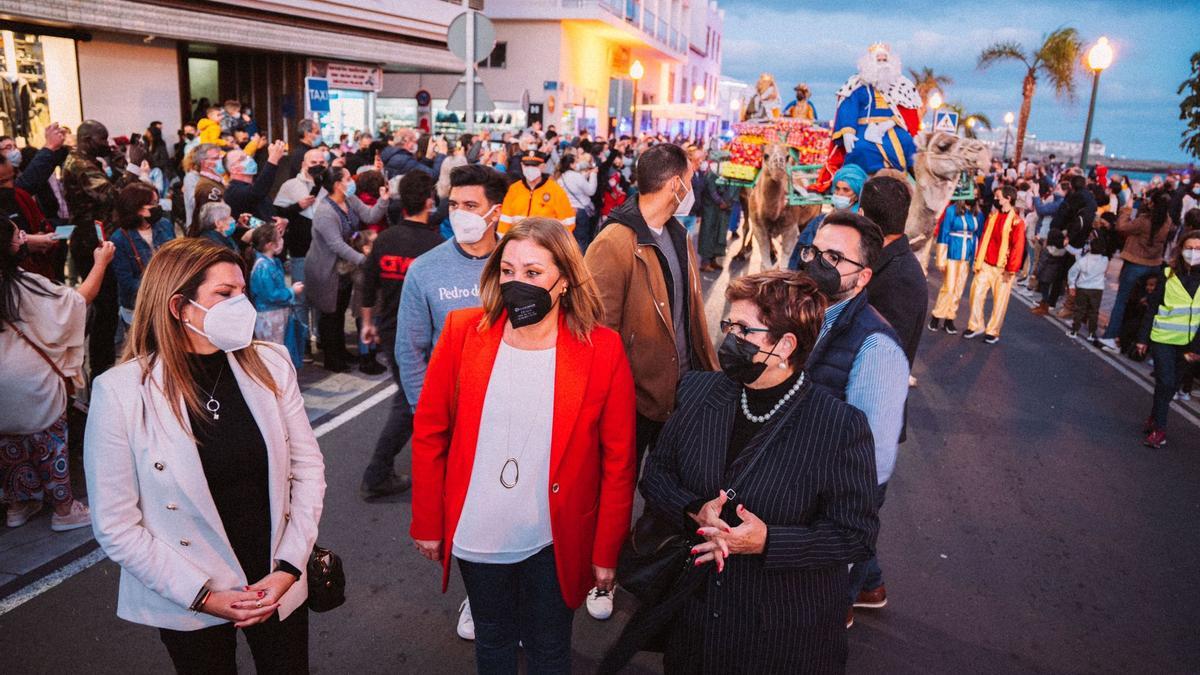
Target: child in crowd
x=367, y=363
x=1085, y=280
x=272, y=296
x=1135, y=311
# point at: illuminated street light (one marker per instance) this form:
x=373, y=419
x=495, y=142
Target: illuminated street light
x=698, y=93
x=636, y=72
x=971, y=122
x=1099, y=57
x=1009, y=117
x=935, y=100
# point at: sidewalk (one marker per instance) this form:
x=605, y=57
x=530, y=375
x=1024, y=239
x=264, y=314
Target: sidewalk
x=29, y=552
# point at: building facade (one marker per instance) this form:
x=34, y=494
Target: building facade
x=128, y=63
x=574, y=60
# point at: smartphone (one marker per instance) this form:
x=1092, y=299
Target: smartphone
x=63, y=231
x=255, y=222
x=495, y=145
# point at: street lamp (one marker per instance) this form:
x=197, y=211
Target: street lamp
x=698, y=98
x=1008, y=120
x=1099, y=57
x=636, y=73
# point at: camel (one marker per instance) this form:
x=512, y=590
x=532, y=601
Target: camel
x=768, y=214
x=940, y=160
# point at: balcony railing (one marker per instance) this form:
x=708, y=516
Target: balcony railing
x=632, y=12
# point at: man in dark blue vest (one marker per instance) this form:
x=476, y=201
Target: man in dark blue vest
x=858, y=358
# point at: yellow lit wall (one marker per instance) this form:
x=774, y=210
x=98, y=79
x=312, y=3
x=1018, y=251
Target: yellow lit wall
x=587, y=66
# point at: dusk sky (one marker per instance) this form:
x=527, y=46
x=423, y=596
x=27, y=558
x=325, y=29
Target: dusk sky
x=1137, y=112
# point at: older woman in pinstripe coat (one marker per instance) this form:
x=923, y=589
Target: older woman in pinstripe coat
x=803, y=467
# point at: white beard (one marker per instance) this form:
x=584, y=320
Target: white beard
x=880, y=75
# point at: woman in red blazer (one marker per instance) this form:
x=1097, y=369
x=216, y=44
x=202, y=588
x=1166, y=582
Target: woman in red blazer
x=523, y=449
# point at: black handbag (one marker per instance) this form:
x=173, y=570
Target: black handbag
x=654, y=556
x=326, y=580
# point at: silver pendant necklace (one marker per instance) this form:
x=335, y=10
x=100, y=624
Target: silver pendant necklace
x=213, y=405
x=510, y=477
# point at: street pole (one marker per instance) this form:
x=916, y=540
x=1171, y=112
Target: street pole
x=636, y=125
x=1007, y=133
x=1087, y=132
x=470, y=122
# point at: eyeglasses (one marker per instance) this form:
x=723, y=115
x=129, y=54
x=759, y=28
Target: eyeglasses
x=742, y=329
x=810, y=253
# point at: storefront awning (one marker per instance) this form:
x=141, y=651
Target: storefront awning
x=146, y=19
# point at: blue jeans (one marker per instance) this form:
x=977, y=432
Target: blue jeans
x=1168, y=361
x=297, y=270
x=866, y=575
x=396, y=432
x=521, y=601
x=585, y=225
x=735, y=216
x=1131, y=274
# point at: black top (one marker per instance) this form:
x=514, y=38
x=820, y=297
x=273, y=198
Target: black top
x=394, y=251
x=254, y=197
x=899, y=291
x=760, y=402
x=234, y=456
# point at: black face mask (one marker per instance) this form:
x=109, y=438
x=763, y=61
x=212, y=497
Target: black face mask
x=189, y=135
x=526, y=304
x=736, y=356
x=156, y=214
x=829, y=280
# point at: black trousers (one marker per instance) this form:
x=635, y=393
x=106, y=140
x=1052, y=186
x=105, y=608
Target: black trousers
x=396, y=432
x=646, y=436
x=331, y=328
x=102, y=326
x=278, y=647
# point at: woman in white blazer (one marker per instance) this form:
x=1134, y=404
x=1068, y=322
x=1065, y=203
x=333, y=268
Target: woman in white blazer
x=204, y=476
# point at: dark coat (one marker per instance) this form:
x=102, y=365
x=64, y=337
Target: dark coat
x=782, y=611
x=899, y=292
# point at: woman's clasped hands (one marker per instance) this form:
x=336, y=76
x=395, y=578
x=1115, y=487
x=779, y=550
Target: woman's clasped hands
x=721, y=540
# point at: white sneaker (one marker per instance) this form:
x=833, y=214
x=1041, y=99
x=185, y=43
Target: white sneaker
x=600, y=604
x=77, y=517
x=466, y=623
x=1109, y=344
x=1182, y=396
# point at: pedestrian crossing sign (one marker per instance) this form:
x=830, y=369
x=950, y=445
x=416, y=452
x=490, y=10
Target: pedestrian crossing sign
x=945, y=120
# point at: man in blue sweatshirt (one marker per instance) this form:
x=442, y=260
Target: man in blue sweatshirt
x=445, y=279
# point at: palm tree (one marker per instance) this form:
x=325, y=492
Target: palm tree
x=1057, y=58
x=970, y=121
x=926, y=81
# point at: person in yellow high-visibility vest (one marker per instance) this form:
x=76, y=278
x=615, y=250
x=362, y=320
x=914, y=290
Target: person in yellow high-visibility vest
x=535, y=195
x=1171, y=332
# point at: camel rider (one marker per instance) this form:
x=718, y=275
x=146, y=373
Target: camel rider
x=847, y=186
x=801, y=108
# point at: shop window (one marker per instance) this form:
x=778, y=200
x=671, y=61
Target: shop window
x=498, y=58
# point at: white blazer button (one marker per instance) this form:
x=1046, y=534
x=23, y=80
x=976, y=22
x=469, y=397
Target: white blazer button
x=171, y=507
x=554, y=488
x=184, y=542
x=160, y=466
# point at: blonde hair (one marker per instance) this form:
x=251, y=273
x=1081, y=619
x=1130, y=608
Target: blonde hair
x=580, y=304
x=178, y=268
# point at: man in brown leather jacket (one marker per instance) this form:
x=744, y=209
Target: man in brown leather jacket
x=647, y=274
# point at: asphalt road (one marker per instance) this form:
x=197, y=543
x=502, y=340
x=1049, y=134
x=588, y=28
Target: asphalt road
x=1026, y=530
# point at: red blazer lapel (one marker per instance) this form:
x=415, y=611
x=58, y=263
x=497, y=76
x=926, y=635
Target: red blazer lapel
x=572, y=364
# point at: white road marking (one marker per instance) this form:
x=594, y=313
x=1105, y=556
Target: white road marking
x=74, y=567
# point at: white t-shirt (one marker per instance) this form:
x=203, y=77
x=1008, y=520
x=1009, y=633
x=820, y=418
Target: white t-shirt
x=293, y=190
x=501, y=525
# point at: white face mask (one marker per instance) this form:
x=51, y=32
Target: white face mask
x=531, y=173
x=685, y=204
x=1191, y=257
x=468, y=226
x=841, y=202
x=229, y=323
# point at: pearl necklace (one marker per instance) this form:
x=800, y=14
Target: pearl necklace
x=759, y=419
